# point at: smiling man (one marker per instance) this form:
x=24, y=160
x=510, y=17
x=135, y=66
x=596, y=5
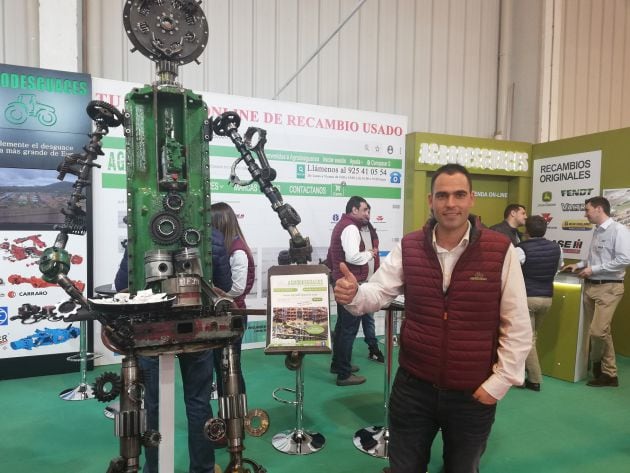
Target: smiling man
x=466, y=332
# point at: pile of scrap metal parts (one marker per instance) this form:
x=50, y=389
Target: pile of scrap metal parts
x=167, y=132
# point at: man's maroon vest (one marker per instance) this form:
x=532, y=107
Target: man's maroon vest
x=238, y=244
x=450, y=339
x=336, y=254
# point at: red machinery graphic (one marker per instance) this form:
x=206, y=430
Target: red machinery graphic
x=39, y=282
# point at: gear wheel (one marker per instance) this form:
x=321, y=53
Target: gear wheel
x=107, y=386
x=151, y=438
x=166, y=228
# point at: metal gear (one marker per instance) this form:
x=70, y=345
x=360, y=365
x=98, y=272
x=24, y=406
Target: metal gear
x=151, y=438
x=166, y=228
x=107, y=386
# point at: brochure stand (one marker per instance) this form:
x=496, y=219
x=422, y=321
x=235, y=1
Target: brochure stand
x=298, y=322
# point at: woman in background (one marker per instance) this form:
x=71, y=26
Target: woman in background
x=241, y=265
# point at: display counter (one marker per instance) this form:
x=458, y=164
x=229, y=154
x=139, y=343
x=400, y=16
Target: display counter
x=563, y=337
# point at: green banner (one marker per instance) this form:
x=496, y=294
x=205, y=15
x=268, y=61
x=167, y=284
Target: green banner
x=118, y=181
x=286, y=156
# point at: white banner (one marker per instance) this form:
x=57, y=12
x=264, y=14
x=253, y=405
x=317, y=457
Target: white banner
x=322, y=157
x=560, y=186
x=21, y=283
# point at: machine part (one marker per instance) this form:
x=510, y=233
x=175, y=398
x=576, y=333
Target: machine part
x=176, y=31
x=186, y=289
x=48, y=336
x=158, y=265
x=166, y=228
x=151, y=438
x=256, y=422
x=227, y=124
x=215, y=429
x=54, y=262
x=104, y=114
x=293, y=360
x=67, y=308
x=191, y=237
x=107, y=386
x=173, y=202
x=187, y=261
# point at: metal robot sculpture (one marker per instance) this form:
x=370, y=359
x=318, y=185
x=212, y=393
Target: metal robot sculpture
x=167, y=132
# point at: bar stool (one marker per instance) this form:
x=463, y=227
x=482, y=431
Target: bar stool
x=296, y=441
x=374, y=440
x=83, y=391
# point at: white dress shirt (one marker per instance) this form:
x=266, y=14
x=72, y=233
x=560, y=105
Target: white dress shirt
x=609, y=253
x=515, y=331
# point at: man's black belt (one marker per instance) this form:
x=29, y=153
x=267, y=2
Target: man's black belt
x=603, y=281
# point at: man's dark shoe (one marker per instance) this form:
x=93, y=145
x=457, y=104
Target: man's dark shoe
x=353, y=369
x=532, y=386
x=597, y=369
x=376, y=355
x=351, y=380
x=604, y=381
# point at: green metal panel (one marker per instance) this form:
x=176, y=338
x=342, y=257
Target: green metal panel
x=166, y=155
x=560, y=343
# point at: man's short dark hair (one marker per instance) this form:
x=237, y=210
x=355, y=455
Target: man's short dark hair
x=451, y=169
x=536, y=226
x=355, y=202
x=512, y=207
x=599, y=201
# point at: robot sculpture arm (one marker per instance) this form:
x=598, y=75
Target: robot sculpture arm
x=227, y=124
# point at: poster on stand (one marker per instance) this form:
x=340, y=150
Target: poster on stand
x=322, y=157
x=298, y=310
x=561, y=184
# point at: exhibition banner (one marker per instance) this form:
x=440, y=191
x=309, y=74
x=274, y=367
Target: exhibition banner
x=42, y=119
x=322, y=157
x=561, y=184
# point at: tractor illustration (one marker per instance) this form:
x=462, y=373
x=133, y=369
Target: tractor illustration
x=26, y=106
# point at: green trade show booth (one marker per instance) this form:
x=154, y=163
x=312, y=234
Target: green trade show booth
x=552, y=180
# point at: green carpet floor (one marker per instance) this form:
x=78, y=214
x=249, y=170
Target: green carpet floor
x=566, y=428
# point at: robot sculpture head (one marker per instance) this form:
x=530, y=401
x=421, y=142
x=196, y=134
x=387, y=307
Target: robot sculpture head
x=169, y=32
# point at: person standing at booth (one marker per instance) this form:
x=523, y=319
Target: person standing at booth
x=242, y=268
x=514, y=216
x=361, y=256
x=466, y=332
x=603, y=273
x=540, y=259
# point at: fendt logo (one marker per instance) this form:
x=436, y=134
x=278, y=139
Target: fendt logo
x=576, y=192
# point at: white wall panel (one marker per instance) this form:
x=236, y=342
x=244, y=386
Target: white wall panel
x=432, y=60
x=594, y=63
x=19, y=32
